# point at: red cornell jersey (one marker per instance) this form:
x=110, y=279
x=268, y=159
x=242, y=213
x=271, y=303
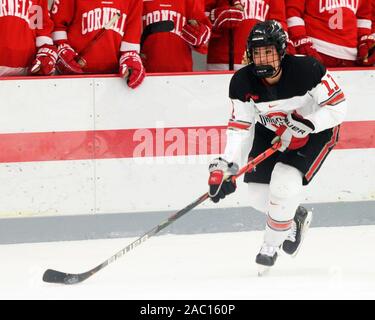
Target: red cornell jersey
x=254, y=11
x=167, y=51
x=333, y=26
x=78, y=21
x=24, y=26
x=373, y=17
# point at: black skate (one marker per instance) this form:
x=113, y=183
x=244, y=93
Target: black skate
x=266, y=258
x=301, y=223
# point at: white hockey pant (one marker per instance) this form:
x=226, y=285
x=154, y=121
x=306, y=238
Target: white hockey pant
x=279, y=200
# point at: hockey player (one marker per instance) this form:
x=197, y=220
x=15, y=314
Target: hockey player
x=172, y=51
x=26, y=45
x=77, y=22
x=232, y=21
x=371, y=56
x=278, y=96
x=338, y=33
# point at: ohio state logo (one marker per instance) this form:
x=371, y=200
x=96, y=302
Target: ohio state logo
x=273, y=119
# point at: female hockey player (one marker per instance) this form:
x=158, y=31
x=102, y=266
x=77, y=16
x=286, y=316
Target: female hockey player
x=278, y=96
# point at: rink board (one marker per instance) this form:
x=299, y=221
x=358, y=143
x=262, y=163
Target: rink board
x=78, y=148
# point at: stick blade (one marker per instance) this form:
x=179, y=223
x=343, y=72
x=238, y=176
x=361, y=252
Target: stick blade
x=54, y=276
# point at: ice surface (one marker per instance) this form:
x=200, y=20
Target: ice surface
x=334, y=263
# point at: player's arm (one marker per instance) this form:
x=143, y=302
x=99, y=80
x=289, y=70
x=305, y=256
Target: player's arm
x=331, y=106
x=240, y=132
x=62, y=14
x=197, y=30
x=44, y=31
x=278, y=12
x=295, y=10
x=46, y=56
x=366, y=41
x=240, y=135
x=321, y=108
x=225, y=17
x=240, y=129
x=131, y=67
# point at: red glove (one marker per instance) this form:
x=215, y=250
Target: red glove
x=304, y=46
x=366, y=54
x=196, y=35
x=226, y=17
x=67, y=61
x=45, y=61
x=295, y=133
x=131, y=67
x=290, y=49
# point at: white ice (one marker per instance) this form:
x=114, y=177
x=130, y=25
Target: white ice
x=334, y=263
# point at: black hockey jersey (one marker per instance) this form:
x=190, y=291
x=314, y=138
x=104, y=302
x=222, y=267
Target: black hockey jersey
x=305, y=87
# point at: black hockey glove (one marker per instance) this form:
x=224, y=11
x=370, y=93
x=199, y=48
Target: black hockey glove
x=220, y=182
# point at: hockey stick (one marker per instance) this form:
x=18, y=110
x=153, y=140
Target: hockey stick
x=231, y=51
x=54, y=276
x=231, y=45
x=160, y=26
x=80, y=60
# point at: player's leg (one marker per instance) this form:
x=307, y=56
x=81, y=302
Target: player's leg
x=308, y=160
x=259, y=194
x=286, y=183
x=284, y=198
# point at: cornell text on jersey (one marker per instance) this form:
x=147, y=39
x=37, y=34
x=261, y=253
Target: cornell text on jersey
x=23, y=9
x=328, y=5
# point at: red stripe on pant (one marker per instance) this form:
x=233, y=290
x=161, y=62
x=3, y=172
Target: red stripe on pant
x=279, y=225
x=320, y=158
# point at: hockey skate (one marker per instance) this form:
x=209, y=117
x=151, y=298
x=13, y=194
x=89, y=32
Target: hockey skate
x=301, y=223
x=266, y=258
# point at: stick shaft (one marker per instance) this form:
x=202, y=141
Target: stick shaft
x=67, y=278
x=248, y=167
x=231, y=45
x=99, y=34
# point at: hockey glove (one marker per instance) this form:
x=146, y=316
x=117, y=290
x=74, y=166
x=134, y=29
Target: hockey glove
x=303, y=45
x=45, y=61
x=196, y=34
x=295, y=133
x=290, y=49
x=220, y=182
x=67, y=60
x=226, y=17
x=131, y=68
x=366, y=52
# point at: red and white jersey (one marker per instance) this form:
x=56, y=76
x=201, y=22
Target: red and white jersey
x=167, y=51
x=373, y=17
x=333, y=26
x=254, y=11
x=78, y=21
x=25, y=25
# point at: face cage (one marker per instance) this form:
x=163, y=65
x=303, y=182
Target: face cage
x=266, y=69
